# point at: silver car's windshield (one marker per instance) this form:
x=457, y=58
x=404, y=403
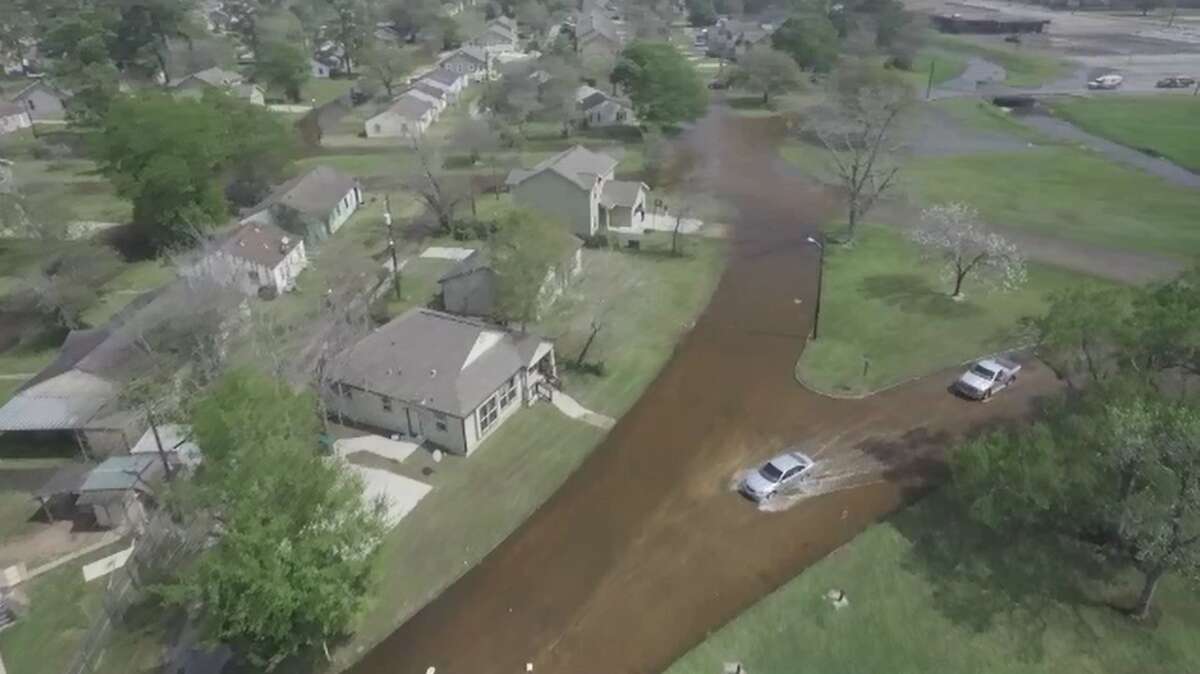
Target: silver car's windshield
x=982, y=371
x=770, y=472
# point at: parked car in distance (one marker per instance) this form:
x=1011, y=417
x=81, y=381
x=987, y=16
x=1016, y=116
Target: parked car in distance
x=1106, y=82
x=765, y=482
x=1176, y=82
x=987, y=378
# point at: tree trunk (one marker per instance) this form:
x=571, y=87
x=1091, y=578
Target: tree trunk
x=162, y=453
x=587, y=345
x=1142, y=609
x=958, y=281
x=766, y=97
x=852, y=223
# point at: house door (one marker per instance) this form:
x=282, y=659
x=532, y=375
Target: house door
x=414, y=422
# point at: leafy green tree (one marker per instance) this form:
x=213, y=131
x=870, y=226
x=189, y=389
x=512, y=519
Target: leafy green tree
x=664, y=86
x=351, y=28
x=143, y=31
x=295, y=541
x=1082, y=331
x=173, y=158
x=1116, y=469
x=515, y=98
x=523, y=250
x=809, y=38
x=557, y=93
x=533, y=15
x=701, y=12
x=284, y=66
x=769, y=71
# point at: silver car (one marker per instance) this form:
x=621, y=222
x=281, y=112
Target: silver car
x=787, y=468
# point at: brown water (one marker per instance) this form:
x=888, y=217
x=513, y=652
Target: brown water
x=644, y=550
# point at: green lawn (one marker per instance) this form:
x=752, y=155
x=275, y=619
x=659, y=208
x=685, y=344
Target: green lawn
x=1065, y=192
x=134, y=279
x=16, y=509
x=1024, y=66
x=980, y=115
x=882, y=302
x=62, y=607
x=922, y=601
x=475, y=504
x=71, y=182
x=1167, y=125
x=645, y=301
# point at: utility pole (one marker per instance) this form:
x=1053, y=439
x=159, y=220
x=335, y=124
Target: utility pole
x=820, y=244
x=929, y=86
x=387, y=220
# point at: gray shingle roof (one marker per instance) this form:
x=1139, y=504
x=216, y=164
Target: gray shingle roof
x=577, y=164
x=471, y=52
x=621, y=193
x=410, y=107
x=594, y=24
x=447, y=77
x=421, y=85
x=261, y=243
x=217, y=77
x=436, y=360
x=120, y=473
x=314, y=193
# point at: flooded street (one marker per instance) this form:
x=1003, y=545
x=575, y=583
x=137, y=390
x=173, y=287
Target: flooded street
x=644, y=550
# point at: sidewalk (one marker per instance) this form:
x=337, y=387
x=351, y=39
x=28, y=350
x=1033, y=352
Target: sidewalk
x=570, y=407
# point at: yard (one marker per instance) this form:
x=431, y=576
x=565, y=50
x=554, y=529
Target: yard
x=930, y=593
x=47, y=167
x=1164, y=125
x=1065, y=193
x=886, y=312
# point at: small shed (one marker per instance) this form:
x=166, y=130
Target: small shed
x=111, y=492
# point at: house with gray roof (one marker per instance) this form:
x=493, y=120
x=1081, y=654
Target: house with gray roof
x=43, y=101
x=470, y=60
x=407, y=117
x=257, y=258
x=313, y=205
x=598, y=109
x=447, y=80
x=500, y=35
x=596, y=35
x=447, y=380
x=112, y=492
x=195, y=84
x=470, y=288
x=577, y=187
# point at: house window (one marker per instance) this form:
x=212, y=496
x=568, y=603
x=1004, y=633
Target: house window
x=387, y=403
x=508, y=392
x=31, y=105
x=376, y=128
x=440, y=421
x=488, y=412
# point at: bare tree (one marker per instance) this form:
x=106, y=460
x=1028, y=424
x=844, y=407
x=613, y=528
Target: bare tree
x=440, y=193
x=954, y=234
x=857, y=133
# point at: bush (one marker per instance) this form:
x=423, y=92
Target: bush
x=597, y=369
x=596, y=241
x=472, y=229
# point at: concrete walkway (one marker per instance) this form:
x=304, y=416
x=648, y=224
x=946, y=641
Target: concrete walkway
x=570, y=407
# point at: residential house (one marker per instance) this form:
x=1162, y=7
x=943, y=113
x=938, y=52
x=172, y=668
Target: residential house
x=430, y=89
x=407, y=117
x=435, y=377
x=77, y=396
x=596, y=35
x=500, y=35
x=447, y=80
x=436, y=98
x=730, y=38
x=472, y=61
x=599, y=109
x=257, y=258
x=313, y=205
x=577, y=186
x=321, y=67
x=114, y=492
x=470, y=288
x=44, y=101
x=13, y=117
x=195, y=84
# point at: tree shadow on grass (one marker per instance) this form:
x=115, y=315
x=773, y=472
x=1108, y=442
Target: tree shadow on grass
x=912, y=293
x=1021, y=582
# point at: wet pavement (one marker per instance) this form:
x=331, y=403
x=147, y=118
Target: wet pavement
x=645, y=550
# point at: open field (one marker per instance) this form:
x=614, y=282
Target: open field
x=880, y=288
x=1166, y=125
x=1023, y=65
x=930, y=593
x=1064, y=193
x=70, y=181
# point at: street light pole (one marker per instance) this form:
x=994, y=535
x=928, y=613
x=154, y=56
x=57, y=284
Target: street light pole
x=387, y=220
x=820, y=244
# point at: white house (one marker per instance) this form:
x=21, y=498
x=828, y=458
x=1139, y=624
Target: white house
x=500, y=35
x=255, y=258
x=471, y=61
x=321, y=67
x=430, y=89
x=195, y=84
x=435, y=377
x=313, y=205
x=447, y=80
x=577, y=187
x=13, y=117
x=407, y=117
x=43, y=101
x=437, y=99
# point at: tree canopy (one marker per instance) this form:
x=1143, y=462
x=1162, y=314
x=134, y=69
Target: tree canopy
x=523, y=249
x=810, y=38
x=769, y=71
x=663, y=84
x=295, y=540
x=174, y=158
x=282, y=65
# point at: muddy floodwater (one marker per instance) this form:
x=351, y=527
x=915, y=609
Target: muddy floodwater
x=645, y=549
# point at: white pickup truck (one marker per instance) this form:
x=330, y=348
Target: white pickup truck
x=987, y=378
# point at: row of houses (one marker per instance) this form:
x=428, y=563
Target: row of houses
x=421, y=104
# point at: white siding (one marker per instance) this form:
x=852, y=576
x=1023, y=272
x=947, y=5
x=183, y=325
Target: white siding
x=388, y=124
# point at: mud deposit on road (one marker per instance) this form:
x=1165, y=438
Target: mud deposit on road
x=644, y=550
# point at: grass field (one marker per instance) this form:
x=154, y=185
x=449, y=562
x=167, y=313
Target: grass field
x=1166, y=125
x=1024, y=67
x=930, y=594
x=881, y=288
x=946, y=65
x=70, y=181
x=1066, y=193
